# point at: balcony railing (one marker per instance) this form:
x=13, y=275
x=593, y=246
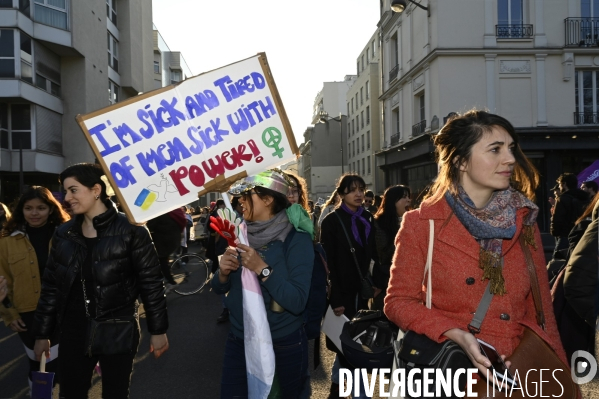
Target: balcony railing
x=582, y=32
x=393, y=73
x=395, y=139
x=586, y=118
x=513, y=31
x=419, y=128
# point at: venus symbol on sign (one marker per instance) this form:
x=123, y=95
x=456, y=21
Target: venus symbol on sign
x=271, y=137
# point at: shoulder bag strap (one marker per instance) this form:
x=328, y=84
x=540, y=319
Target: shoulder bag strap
x=351, y=247
x=485, y=302
x=534, y=282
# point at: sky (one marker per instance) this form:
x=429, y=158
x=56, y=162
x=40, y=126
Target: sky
x=307, y=42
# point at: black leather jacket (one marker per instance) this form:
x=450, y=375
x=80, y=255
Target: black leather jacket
x=125, y=266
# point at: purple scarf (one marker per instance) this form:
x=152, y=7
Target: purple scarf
x=354, y=227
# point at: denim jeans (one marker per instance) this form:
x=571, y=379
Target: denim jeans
x=291, y=363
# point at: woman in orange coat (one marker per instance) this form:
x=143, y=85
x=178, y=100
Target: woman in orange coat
x=480, y=205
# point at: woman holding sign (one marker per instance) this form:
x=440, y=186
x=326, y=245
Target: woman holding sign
x=98, y=266
x=281, y=256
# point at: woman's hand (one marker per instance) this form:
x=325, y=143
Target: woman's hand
x=158, y=344
x=470, y=345
x=251, y=259
x=339, y=311
x=41, y=345
x=18, y=325
x=228, y=263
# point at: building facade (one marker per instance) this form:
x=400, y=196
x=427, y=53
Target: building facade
x=363, y=125
x=532, y=61
x=169, y=66
x=58, y=59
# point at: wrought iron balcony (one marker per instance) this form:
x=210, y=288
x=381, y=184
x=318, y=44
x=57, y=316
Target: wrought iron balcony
x=586, y=118
x=582, y=32
x=395, y=139
x=418, y=128
x=393, y=73
x=513, y=31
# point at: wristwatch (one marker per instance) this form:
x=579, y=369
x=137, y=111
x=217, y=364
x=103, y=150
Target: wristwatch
x=265, y=273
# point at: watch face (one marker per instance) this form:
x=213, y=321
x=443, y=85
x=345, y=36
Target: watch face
x=265, y=272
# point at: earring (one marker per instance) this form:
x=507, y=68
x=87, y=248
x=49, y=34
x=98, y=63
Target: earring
x=97, y=197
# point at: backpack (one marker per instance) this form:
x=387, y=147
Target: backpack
x=316, y=306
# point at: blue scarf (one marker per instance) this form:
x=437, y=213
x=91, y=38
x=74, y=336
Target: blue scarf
x=357, y=215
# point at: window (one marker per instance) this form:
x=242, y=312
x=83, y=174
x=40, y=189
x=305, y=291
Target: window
x=363, y=167
x=589, y=8
x=421, y=107
x=51, y=12
x=348, y=108
x=361, y=96
x=4, y=126
x=357, y=145
x=113, y=92
x=354, y=168
x=113, y=53
x=175, y=76
x=368, y=163
x=368, y=89
x=352, y=127
x=7, y=53
x=352, y=105
x=46, y=84
x=358, y=123
x=353, y=148
x=358, y=68
x=356, y=101
x=111, y=10
x=373, y=47
x=20, y=126
x=5, y=3
x=24, y=7
x=362, y=124
x=586, y=97
x=348, y=129
x=368, y=115
x=348, y=149
x=368, y=140
x=362, y=143
x=156, y=67
x=26, y=59
x=367, y=56
x=363, y=62
x=510, y=18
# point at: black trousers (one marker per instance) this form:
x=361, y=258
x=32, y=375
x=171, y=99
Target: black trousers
x=77, y=368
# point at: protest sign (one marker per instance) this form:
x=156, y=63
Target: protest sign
x=164, y=148
x=590, y=174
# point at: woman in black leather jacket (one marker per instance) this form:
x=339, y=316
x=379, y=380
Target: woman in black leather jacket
x=103, y=258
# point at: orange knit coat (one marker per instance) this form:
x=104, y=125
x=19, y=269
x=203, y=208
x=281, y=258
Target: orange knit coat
x=454, y=301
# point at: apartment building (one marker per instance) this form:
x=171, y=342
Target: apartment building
x=58, y=59
x=363, y=124
x=534, y=62
x=322, y=154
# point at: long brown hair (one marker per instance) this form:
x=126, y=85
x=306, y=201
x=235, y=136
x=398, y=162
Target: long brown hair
x=453, y=147
x=589, y=210
x=57, y=215
x=302, y=190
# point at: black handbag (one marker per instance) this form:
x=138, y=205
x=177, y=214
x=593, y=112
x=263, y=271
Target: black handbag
x=366, y=284
x=113, y=336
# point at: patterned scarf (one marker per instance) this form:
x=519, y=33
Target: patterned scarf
x=491, y=225
x=357, y=215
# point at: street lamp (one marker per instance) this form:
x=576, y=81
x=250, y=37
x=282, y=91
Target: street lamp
x=325, y=118
x=399, y=6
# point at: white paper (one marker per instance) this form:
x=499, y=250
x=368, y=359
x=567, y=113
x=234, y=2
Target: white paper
x=332, y=326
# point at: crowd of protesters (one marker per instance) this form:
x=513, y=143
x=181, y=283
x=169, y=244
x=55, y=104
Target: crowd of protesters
x=87, y=262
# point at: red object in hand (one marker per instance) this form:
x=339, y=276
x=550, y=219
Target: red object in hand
x=225, y=228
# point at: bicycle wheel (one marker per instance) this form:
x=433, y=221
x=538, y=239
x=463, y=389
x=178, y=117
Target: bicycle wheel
x=190, y=271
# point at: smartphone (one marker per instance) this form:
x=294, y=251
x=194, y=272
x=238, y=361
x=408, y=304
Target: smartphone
x=497, y=365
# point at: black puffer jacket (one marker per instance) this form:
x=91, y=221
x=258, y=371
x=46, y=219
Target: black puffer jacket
x=125, y=266
x=568, y=207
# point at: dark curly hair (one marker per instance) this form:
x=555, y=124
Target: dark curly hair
x=57, y=215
